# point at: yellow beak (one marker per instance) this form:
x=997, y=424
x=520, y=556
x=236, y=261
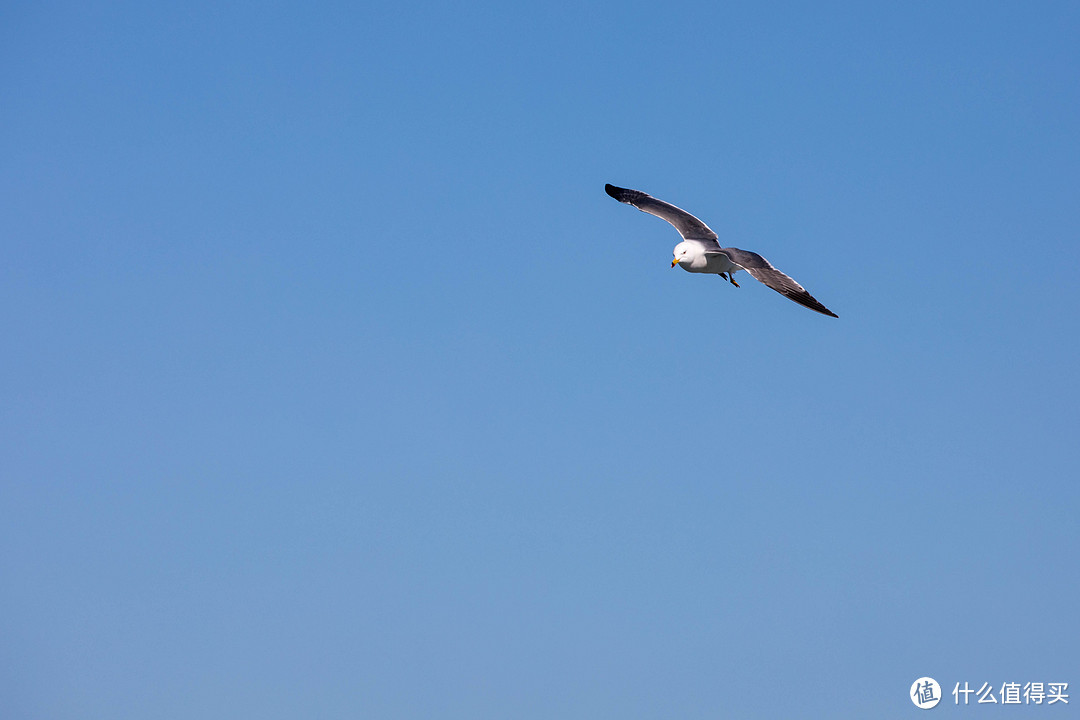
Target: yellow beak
x=674, y=262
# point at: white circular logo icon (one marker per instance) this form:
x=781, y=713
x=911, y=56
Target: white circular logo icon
x=925, y=693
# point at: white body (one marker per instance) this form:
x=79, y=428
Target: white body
x=691, y=257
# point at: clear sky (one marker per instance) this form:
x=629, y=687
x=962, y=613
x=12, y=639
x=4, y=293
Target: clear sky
x=333, y=384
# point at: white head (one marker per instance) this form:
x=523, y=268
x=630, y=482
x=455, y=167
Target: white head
x=685, y=254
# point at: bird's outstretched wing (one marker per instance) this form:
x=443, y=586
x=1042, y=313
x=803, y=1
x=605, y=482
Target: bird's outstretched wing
x=688, y=226
x=763, y=271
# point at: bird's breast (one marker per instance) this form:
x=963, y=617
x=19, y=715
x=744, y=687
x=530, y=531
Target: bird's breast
x=717, y=263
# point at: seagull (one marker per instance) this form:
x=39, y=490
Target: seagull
x=699, y=252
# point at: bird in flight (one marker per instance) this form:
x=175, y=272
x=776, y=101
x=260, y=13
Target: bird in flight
x=699, y=251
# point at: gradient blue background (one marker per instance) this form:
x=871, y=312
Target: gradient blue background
x=333, y=384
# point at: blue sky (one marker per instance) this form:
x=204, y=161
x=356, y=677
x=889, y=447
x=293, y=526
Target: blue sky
x=335, y=386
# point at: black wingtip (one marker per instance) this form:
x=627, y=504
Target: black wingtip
x=810, y=302
x=822, y=309
x=624, y=195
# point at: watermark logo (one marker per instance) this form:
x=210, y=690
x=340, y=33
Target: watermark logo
x=925, y=693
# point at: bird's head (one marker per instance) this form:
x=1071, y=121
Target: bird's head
x=684, y=252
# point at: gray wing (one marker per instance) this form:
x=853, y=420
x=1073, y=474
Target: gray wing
x=688, y=226
x=763, y=271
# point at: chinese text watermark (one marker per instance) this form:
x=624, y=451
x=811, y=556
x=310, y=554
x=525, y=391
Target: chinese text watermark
x=926, y=693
